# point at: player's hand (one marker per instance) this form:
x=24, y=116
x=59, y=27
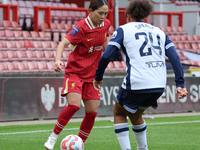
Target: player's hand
x=58, y=66
x=97, y=85
x=182, y=92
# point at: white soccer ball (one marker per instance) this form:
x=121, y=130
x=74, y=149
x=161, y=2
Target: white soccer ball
x=72, y=142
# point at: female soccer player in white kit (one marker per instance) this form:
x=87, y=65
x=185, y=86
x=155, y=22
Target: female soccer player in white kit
x=144, y=48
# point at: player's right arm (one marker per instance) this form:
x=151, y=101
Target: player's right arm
x=62, y=45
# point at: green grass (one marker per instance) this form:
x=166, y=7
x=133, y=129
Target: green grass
x=169, y=133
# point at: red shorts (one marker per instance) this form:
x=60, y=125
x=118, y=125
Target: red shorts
x=86, y=89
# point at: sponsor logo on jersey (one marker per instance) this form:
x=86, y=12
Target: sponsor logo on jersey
x=114, y=34
x=89, y=39
x=155, y=64
x=74, y=31
x=97, y=48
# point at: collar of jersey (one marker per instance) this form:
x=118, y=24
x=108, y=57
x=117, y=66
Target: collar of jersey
x=90, y=24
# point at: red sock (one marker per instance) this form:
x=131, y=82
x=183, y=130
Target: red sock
x=86, y=125
x=64, y=118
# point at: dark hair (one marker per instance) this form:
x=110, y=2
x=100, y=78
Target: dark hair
x=139, y=9
x=95, y=4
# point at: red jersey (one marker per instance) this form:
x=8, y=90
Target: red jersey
x=87, y=49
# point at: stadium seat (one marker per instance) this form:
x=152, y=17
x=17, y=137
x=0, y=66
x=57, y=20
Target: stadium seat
x=2, y=35
x=12, y=67
x=3, y=67
x=45, y=27
x=27, y=35
x=18, y=35
x=31, y=55
x=50, y=65
x=169, y=30
x=49, y=56
x=184, y=39
x=46, y=36
x=35, y=3
x=196, y=38
x=181, y=55
x=190, y=39
x=61, y=28
x=3, y=46
x=186, y=62
x=49, y=4
x=1, y=27
x=40, y=56
x=180, y=29
x=68, y=27
x=65, y=55
x=54, y=45
x=25, y=19
x=9, y=35
x=35, y=35
x=16, y=26
x=28, y=45
x=28, y=4
x=195, y=47
x=11, y=45
x=7, y=25
x=177, y=39
x=118, y=66
x=21, y=55
x=124, y=64
x=46, y=45
x=32, y=66
x=22, y=67
x=53, y=27
x=20, y=45
x=175, y=30
x=42, y=66
x=21, y=3
x=3, y=56
x=181, y=46
x=12, y=56
x=38, y=45
x=110, y=67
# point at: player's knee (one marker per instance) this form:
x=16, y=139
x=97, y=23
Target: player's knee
x=91, y=115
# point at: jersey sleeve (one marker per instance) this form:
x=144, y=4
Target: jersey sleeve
x=75, y=36
x=117, y=38
x=175, y=61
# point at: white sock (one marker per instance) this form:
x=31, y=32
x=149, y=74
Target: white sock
x=122, y=133
x=140, y=136
x=54, y=135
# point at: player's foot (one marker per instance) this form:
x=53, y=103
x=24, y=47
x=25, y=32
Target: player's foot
x=49, y=144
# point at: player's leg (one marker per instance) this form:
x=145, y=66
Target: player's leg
x=121, y=126
x=139, y=129
x=73, y=95
x=91, y=99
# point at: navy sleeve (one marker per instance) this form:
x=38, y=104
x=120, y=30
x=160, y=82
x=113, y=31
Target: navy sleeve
x=113, y=46
x=175, y=61
x=104, y=61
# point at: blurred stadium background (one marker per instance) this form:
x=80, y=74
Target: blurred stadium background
x=31, y=30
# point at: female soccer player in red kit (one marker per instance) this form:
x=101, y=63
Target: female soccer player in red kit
x=88, y=38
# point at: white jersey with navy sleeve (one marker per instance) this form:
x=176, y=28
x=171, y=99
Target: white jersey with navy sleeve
x=143, y=47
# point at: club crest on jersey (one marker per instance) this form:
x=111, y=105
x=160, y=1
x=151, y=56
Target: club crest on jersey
x=114, y=34
x=74, y=31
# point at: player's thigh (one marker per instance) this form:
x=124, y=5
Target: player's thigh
x=74, y=99
x=119, y=110
x=136, y=118
x=91, y=105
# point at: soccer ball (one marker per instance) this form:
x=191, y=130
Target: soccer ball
x=72, y=142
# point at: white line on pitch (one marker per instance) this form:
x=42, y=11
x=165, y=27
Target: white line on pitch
x=37, y=131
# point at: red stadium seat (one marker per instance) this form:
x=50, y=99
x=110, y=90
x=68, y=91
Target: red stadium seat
x=180, y=29
x=12, y=67
x=45, y=36
x=31, y=56
x=3, y=46
x=22, y=55
x=184, y=39
x=42, y=66
x=195, y=48
x=118, y=66
x=169, y=30
x=49, y=55
x=9, y=35
x=46, y=45
x=40, y=55
x=3, y=56
x=38, y=45
x=11, y=45
x=20, y=45
x=188, y=47
x=110, y=67
x=45, y=27
x=29, y=45
x=61, y=28
x=28, y=4
x=177, y=39
x=18, y=35
x=27, y=35
x=3, y=67
x=2, y=35
x=190, y=39
x=65, y=55
x=35, y=35
x=196, y=38
x=175, y=30
x=50, y=65
x=181, y=55
x=22, y=67
x=12, y=56
x=1, y=27
x=16, y=26
x=7, y=25
x=54, y=45
x=32, y=66
x=123, y=64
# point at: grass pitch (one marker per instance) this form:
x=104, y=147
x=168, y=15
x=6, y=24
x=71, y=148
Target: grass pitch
x=169, y=133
